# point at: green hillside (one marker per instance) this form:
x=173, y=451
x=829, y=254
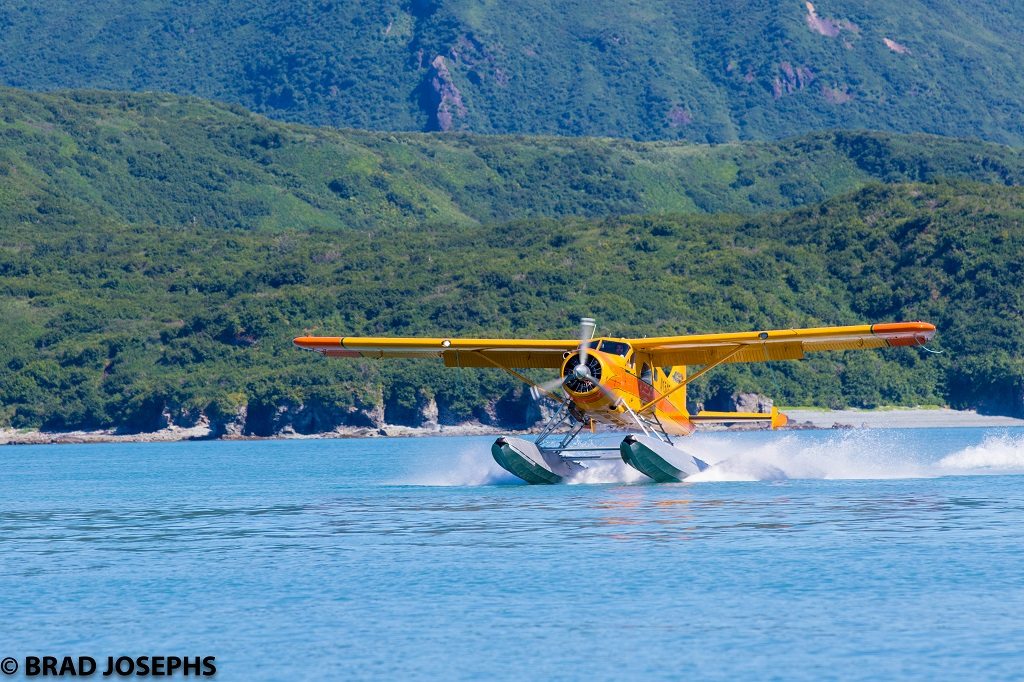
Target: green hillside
x=660, y=69
x=130, y=326
x=158, y=253
x=82, y=157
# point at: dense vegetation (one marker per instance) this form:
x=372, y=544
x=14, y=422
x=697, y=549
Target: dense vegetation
x=120, y=323
x=157, y=254
x=141, y=159
x=660, y=69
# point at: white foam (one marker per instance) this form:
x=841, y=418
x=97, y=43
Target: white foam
x=995, y=454
x=607, y=471
x=842, y=455
x=847, y=455
x=472, y=467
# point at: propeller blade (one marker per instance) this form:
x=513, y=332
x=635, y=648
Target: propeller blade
x=614, y=397
x=587, y=328
x=552, y=385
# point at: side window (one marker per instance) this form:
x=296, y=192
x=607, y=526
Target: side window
x=667, y=371
x=647, y=374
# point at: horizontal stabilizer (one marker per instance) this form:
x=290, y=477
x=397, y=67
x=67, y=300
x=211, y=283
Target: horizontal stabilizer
x=775, y=418
x=708, y=416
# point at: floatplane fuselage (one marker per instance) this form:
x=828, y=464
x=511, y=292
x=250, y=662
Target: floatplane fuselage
x=612, y=385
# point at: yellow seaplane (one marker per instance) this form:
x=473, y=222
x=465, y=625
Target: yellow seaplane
x=635, y=385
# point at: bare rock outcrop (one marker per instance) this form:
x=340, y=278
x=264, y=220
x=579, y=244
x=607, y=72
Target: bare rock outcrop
x=898, y=48
x=836, y=94
x=790, y=79
x=828, y=27
x=739, y=402
x=446, y=103
x=515, y=410
x=306, y=418
x=752, y=402
x=429, y=414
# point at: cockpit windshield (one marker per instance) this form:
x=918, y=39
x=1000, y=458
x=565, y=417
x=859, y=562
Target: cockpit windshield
x=615, y=348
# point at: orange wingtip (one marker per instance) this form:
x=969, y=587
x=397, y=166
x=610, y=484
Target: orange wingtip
x=904, y=333
x=321, y=343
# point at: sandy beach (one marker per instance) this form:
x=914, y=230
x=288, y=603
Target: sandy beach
x=896, y=418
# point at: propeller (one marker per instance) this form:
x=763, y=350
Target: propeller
x=587, y=329
x=549, y=386
x=582, y=372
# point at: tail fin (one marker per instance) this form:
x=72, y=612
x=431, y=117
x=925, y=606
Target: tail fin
x=778, y=419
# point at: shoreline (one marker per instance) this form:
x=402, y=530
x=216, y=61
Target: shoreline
x=175, y=434
x=799, y=418
x=896, y=418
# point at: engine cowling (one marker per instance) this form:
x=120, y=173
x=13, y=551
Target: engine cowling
x=582, y=378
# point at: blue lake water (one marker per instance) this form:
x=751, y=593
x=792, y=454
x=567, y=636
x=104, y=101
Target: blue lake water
x=802, y=555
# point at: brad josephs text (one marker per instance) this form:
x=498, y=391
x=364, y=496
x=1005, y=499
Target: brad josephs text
x=121, y=666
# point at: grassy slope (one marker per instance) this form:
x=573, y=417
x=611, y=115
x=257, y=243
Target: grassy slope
x=661, y=69
x=171, y=161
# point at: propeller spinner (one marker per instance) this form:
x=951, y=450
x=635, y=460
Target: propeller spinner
x=582, y=373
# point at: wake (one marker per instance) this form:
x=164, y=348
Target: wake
x=862, y=455
x=996, y=454
x=471, y=467
x=846, y=455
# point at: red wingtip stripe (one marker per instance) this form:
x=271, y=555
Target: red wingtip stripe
x=320, y=343
x=899, y=334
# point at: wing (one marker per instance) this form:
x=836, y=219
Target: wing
x=455, y=352
x=779, y=344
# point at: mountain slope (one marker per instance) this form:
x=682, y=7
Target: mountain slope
x=166, y=160
x=661, y=69
x=132, y=326
x=158, y=253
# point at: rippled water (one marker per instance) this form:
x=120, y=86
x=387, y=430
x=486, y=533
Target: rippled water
x=803, y=555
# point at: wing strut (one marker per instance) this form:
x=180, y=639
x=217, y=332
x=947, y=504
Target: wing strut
x=521, y=377
x=703, y=370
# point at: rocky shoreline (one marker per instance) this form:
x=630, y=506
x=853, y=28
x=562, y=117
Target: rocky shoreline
x=203, y=431
x=888, y=418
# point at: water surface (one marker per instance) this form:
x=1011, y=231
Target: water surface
x=802, y=555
